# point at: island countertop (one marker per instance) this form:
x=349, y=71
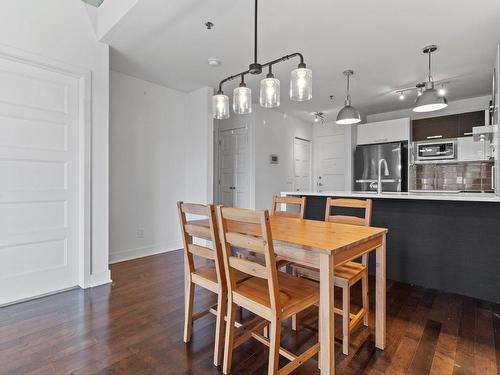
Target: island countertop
x=444, y=196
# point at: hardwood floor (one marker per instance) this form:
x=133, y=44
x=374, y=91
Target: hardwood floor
x=135, y=327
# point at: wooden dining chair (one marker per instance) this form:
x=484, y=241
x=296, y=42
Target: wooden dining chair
x=270, y=294
x=276, y=210
x=209, y=276
x=292, y=201
x=349, y=273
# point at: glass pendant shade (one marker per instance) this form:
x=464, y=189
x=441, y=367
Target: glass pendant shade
x=301, y=84
x=220, y=106
x=430, y=100
x=270, y=92
x=242, y=100
x=348, y=115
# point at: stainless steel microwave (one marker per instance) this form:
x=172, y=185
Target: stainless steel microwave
x=446, y=149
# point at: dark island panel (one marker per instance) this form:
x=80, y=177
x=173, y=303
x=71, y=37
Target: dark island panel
x=445, y=245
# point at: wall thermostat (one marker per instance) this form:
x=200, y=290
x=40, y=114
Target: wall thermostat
x=273, y=159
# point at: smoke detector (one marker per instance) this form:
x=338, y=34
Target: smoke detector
x=213, y=61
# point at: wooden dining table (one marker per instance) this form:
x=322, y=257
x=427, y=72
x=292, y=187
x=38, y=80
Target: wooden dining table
x=324, y=246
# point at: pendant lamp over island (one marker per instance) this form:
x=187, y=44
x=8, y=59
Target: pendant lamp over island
x=430, y=99
x=348, y=115
x=300, y=85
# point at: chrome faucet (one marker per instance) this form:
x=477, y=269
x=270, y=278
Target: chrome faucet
x=379, y=178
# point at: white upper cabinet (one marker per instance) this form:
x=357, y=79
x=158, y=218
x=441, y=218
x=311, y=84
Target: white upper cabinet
x=384, y=131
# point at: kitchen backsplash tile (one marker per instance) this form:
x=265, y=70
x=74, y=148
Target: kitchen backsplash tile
x=462, y=176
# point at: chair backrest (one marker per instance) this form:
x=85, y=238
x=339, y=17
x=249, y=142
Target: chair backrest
x=277, y=201
x=366, y=205
x=199, y=229
x=251, y=230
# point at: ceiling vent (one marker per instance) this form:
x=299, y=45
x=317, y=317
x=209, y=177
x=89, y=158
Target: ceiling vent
x=95, y=3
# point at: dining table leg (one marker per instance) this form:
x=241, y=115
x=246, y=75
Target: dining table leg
x=380, y=296
x=326, y=315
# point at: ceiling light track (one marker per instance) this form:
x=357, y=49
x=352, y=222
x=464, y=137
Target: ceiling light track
x=300, y=84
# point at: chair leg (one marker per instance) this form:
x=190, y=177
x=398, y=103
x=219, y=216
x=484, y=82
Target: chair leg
x=346, y=310
x=228, y=347
x=274, y=347
x=188, y=310
x=294, y=317
x=366, y=299
x=219, y=328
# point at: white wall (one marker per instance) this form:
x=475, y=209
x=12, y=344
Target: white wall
x=199, y=149
x=61, y=30
x=160, y=152
x=480, y=103
x=274, y=133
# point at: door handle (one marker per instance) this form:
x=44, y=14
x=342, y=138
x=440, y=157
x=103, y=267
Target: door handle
x=434, y=136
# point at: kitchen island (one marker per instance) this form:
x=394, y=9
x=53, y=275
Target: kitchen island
x=449, y=242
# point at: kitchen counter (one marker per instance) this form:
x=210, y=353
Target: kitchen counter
x=464, y=197
x=449, y=242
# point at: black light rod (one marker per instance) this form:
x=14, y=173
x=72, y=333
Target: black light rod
x=230, y=78
x=284, y=58
x=255, y=35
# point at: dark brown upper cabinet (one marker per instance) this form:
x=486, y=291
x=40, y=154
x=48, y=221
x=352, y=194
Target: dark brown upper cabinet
x=466, y=121
x=440, y=127
x=451, y=126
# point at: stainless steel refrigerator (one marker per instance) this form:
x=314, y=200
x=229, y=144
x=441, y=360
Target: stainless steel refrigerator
x=366, y=159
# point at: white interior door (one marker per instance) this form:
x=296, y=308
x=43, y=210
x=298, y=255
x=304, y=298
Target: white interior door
x=330, y=159
x=234, y=168
x=38, y=180
x=302, y=164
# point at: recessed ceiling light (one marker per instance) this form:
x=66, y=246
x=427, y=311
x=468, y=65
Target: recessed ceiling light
x=402, y=95
x=213, y=61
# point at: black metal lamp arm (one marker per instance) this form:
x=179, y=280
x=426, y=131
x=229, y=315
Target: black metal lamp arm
x=281, y=59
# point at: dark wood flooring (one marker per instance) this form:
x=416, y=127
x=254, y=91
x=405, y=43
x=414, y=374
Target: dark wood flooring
x=135, y=327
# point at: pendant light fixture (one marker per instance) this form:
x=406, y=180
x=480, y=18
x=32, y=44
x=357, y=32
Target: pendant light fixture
x=242, y=99
x=430, y=100
x=270, y=91
x=348, y=115
x=220, y=106
x=300, y=84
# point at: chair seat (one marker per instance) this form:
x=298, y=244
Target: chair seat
x=206, y=276
x=347, y=273
x=350, y=272
x=295, y=294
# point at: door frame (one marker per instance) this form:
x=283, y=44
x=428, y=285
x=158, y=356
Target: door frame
x=84, y=198
x=310, y=160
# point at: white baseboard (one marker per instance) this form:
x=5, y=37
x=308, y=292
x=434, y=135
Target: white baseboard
x=123, y=255
x=100, y=278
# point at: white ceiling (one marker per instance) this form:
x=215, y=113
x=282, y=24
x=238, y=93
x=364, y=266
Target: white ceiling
x=166, y=42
